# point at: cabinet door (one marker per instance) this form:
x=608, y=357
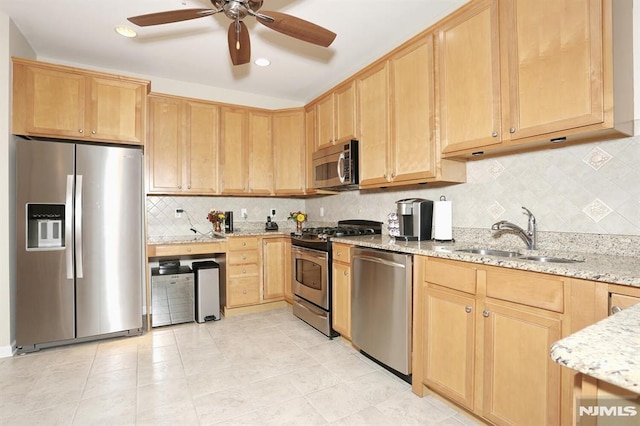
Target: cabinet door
x=555, y=65
x=449, y=335
x=164, y=150
x=467, y=52
x=117, y=110
x=521, y=382
x=412, y=108
x=325, y=122
x=260, y=150
x=345, y=112
x=341, y=299
x=233, y=139
x=201, y=144
x=274, y=268
x=373, y=119
x=310, y=131
x=54, y=101
x=289, y=150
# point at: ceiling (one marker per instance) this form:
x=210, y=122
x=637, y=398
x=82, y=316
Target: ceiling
x=195, y=51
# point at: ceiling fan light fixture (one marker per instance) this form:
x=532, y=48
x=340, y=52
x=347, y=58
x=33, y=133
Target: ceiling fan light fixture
x=126, y=31
x=262, y=62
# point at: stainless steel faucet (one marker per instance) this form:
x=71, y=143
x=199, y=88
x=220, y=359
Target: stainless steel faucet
x=528, y=236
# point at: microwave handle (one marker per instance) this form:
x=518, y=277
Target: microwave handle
x=340, y=166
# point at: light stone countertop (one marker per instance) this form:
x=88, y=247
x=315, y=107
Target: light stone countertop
x=216, y=237
x=624, y=270
x=608, y=350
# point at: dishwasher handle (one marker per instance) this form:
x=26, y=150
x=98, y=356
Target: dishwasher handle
x=378, y=260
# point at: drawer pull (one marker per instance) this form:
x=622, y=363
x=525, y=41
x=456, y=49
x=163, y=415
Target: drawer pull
x=244, y=291
x=485, y=313
x=467, y=309
x=244, y=271
x=615, y=309
x=346, y=273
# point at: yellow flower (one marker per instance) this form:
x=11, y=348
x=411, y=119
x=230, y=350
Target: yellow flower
x=298, y=216
x=301, y=217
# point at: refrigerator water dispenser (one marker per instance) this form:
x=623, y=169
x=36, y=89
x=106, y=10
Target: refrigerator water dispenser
x=45, y=226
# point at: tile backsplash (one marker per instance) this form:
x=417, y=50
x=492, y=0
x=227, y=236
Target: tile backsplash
x=588, y=188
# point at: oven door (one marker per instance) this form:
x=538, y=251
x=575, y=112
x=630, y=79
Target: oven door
x=311, y=275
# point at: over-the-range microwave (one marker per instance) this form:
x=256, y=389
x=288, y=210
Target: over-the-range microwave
x=336, y=167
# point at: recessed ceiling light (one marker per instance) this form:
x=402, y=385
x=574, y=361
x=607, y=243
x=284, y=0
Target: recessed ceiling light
x=262, y=62
x=125, y=31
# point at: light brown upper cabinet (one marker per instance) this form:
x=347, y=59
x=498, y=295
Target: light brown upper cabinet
x=310, y=146
x=260, y=153
x=336, y=116
x=398, y=143
x=233, y=158
x=289, y=152
x=245, y=141
x=70, y=103
x=183, y=146
x=521, y=74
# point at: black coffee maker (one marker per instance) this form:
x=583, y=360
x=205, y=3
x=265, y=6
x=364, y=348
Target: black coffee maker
x=416, y=219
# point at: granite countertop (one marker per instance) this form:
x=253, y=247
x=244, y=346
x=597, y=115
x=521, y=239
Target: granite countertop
x=608, y=350
x=624, y=270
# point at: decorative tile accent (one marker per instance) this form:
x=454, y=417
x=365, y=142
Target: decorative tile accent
x=495, y=169
x=496, y=210
x=597, y=210
x=597, y=158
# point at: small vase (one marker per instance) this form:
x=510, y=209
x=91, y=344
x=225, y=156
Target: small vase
x=216, y=227
x=298, y=228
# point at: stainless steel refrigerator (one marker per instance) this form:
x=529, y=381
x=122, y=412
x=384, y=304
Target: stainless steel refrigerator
x=79, y=242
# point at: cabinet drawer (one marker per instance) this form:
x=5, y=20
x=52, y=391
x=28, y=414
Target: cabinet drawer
x=185, y=249
x=452, y=274
x=341, y=252
x=243, y=292
x=249, y=270
x=241, y=257
x=237, y=243
x=529, y=289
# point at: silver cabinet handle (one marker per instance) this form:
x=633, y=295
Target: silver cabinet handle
x=494, y=134
x=615, y=309
x=93, y=132
x=80, y=130
x=346, y=273
x=485, y=313
x=393, y=175
x=512, y=130
x=467, y=309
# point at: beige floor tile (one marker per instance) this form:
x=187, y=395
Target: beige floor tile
x=257, y=369
x=118, y=408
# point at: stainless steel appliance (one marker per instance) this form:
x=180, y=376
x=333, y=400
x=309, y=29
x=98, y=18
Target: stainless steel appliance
x=381, y=298
x=172, y=295
x=416, y=218
x=311, y=266
x=336, y=167
x=81, y=276
x=207, y=275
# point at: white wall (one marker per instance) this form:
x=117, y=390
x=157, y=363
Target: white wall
x=11, y=43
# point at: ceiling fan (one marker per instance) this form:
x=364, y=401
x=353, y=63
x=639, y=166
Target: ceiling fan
x=238, y=35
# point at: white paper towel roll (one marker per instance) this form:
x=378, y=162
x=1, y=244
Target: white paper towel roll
x=442, y=221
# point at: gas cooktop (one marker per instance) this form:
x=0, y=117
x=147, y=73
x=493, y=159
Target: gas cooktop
x=319, y=237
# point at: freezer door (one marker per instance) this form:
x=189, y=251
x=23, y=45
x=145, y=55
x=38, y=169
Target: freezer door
x=108, y=237
x=44, y=274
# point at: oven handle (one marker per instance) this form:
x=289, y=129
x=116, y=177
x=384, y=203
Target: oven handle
x=310, y=308
x=310, y=253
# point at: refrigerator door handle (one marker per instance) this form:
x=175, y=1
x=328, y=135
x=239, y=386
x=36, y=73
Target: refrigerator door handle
x=68, y=227
x=78, y=226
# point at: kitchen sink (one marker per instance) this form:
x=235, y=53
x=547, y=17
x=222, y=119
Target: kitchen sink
x=550, y=259
x=491, y=252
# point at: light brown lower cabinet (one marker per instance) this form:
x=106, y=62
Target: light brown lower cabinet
x=341, y=289
x=482, y=337
x=257, y=270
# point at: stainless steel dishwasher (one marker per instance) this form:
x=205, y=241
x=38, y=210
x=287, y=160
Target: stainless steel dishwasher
x=381, y=307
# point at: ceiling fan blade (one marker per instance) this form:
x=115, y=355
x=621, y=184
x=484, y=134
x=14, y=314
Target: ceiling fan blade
x=170, y=16
x=296, y=27
x=239, y=43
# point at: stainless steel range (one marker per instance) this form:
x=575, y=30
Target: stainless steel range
x=311, y=267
